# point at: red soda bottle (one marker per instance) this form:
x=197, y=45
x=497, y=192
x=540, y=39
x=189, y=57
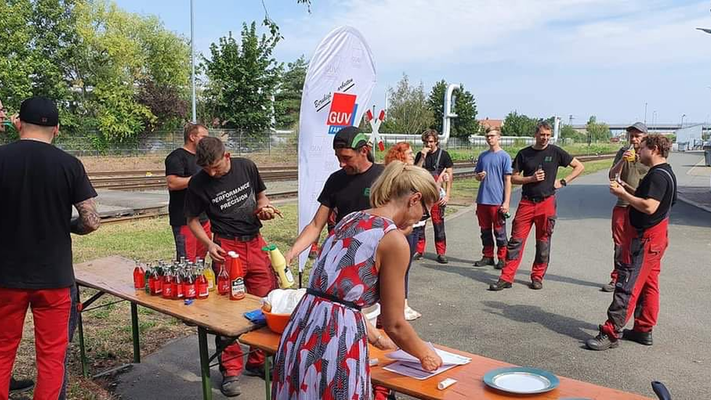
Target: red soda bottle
x=177, y=286
x=157, y=288
x=223, y=280
x=237, y=289
x=202, y=286
x=139, y=280
x=189, y=291
x=168, y=285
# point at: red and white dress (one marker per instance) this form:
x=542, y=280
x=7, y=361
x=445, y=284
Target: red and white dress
x=323, y=353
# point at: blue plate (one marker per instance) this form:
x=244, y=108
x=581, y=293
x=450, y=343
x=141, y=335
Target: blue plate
x=521, y=380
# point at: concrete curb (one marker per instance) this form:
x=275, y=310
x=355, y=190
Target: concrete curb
x=693, y=203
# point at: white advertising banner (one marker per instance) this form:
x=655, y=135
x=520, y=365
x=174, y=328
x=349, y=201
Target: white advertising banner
x=338, y=85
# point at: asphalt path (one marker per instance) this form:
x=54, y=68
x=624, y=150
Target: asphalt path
x=547, y=328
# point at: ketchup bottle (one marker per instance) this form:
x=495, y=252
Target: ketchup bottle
x=237, y=289
x=139, y=277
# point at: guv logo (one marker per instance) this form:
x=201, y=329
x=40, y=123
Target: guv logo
x=342, y=112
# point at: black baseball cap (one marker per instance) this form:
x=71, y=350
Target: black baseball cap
x=349, y=137
x=40, y=111
x=640, y=126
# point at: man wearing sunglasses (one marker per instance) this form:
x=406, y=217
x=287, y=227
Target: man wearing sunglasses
x=438, y=162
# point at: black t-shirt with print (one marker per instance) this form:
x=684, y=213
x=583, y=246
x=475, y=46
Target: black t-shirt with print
x=39, y=184
x=445, y=161
x=345, y=193
x=229, y=201
x=527, y=162
x=181, y=163
x=659, y=184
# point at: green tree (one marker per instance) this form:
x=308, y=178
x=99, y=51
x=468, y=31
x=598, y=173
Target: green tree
x=242, y=77
x=287, y=100
x=597, y=131
x=567, y=132
x=516, y=124
x=464, y=106
x=408, y=109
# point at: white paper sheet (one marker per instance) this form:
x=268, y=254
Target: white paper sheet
x=414, y=370
x=447, y=357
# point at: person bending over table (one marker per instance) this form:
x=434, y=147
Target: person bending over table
x=323, y=352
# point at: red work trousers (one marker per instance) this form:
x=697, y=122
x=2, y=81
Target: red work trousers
x=437, y=213
x=543, y=215
x=51, y=310
x=637, y=288
x=187, y=245
x=493, y=228
x=619, y=215
x=259, y=280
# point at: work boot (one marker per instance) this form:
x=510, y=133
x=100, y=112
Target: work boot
x=256, y=370
x=499, y=285
x=442, y=259
x=601, y=342
x=230, y=386
x=484, y=262
x=417, y=256
x=21, y=385
x=536, y=285
x=644, y=338
x=500, y=264
x=608, y=287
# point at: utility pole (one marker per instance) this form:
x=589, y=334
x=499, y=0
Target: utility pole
x=192, y=58
x=645, y=113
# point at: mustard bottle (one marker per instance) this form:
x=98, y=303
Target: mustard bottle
x=286, y=279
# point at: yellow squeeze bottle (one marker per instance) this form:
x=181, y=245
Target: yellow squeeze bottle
x=286, y=279
x=209, y=274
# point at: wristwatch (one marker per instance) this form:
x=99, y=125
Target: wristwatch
x=563, y=182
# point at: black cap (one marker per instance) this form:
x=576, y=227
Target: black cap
x=39, y=111
x=349, y=137
x=638, y=126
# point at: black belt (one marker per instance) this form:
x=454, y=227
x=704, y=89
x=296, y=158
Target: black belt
x=536, y=199
x=245, y=238
x=334, y=299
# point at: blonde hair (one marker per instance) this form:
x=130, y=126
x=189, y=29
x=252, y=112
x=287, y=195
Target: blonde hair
x=399, y=180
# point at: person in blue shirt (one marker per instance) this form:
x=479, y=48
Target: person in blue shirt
x=493, y=170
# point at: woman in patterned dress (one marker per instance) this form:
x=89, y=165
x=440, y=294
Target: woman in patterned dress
x=323, y=352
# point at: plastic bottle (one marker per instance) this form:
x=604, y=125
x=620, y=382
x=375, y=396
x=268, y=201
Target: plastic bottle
x=237, y=289
x=286, y=279
x=139, y=277
x=223, y=281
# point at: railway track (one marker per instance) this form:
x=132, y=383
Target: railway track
x=155, y=179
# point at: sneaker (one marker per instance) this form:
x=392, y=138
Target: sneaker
x=536, y=285
x=499, y=285
x=644, y=338
x=484, y=262
x=601, y=342
x=21, y=385
x=417, y=256
x=257, y=370
x=230, y=386
x=410, y=314
x=500, y=264
x=608, y=287
x=442, y=259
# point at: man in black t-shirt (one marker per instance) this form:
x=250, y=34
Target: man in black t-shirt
x=39, y=185
x=535, y=167
x=233, y=195
x=346, y=190
x=180, y=166
x=438, y=162
x=644, y=242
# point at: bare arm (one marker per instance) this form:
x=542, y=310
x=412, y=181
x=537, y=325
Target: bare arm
x=392, y=257
x=507, y=194
x=648, y=206
x=615, y=169
x=177, y=183
x=517, y=178
x=216, y=252
x=310, y=233
x=450, y=172
x=578, y=169
x=88, y=220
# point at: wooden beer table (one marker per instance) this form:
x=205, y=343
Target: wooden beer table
x=216, y=314
x=469, y=377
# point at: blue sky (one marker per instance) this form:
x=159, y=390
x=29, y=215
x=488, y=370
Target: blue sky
x=539, y=57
